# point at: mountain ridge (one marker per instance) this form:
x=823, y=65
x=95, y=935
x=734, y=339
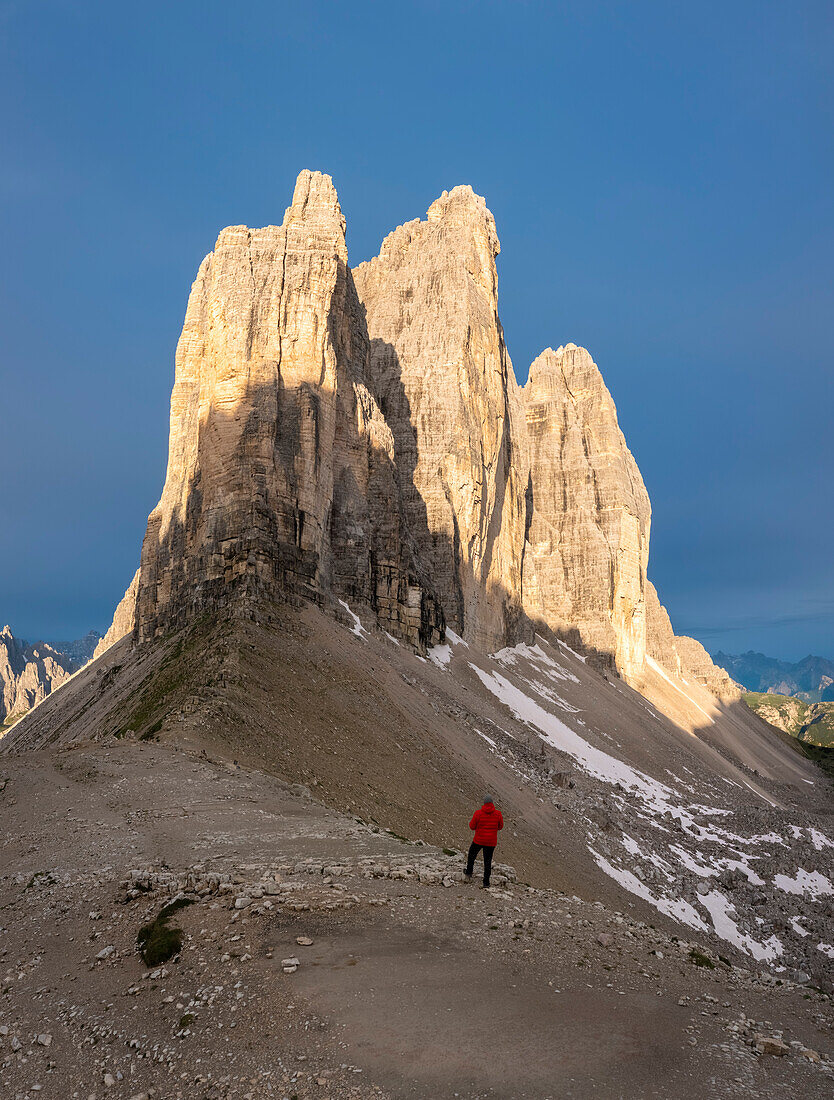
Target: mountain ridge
x=811, y=679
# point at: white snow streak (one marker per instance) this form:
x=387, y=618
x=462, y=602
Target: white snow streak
x=719, y=908
x=357, y=628
x=676, y=908
x=440, y=655
x=810, y=883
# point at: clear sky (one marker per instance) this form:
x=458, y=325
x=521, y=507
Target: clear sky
x=661, y=177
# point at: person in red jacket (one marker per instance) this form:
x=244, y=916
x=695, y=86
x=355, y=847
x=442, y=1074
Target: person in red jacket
x=486, y=822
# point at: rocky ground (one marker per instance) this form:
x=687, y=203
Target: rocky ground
x=322, y=956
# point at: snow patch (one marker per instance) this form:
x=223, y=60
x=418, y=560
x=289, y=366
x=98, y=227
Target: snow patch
x=810, y=883
x=720, y=909
x=440, y=655
x=820, y=840
x=357, y=628
x=676, y=908
x=554, y=731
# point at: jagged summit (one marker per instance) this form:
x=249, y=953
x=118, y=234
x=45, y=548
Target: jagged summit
x=360, y=435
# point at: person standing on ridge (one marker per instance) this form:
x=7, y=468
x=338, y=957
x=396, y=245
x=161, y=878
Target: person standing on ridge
x=486, y=822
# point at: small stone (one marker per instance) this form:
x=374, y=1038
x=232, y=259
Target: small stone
x=605, y=939
x=303, y=941
x=769, y=1044
x=242, y=902
x=291, y=962
x=703, y=888
x=109, y=1080
x=809, y=1055
x=44, y=1040
x=16, y=1043
x=106, y=952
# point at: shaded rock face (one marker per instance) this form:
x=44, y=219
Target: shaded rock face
x=28, y=673
x=591, y=513
x=441, y=373
x=280, y=473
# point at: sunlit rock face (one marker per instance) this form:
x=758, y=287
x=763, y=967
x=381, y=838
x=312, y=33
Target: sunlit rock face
x=28, y=673
x=280, y=471
x=441, y=372
x=124, y=618
x=360, y=436
x=591, y=511
x=696, y=662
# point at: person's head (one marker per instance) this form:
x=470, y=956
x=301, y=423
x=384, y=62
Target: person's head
x=488, y=800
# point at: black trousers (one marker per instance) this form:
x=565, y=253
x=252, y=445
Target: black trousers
x=470, y=861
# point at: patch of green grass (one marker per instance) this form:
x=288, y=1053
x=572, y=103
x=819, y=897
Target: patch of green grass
x=449, y=852
x=33, y=881
x=809, y=723
x=186, y=1020
x=158, y=941
x=167, y=683
x=698, y=958
x=820, y=755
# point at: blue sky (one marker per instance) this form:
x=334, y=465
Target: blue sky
x=661, y=177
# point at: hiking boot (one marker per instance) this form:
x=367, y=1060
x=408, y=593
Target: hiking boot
x=467, y=877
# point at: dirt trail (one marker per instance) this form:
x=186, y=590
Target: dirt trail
x=415, y=984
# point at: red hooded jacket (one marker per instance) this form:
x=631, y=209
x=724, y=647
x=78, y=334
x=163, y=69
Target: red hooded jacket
x=486, y=822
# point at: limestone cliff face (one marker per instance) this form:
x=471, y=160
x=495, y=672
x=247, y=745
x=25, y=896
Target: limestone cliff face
x=28, y=673
x=682, y=656
x=360, y=436
x=591, y=512
x=124, y=618
x=696, y=662
x=280, y=472
x=660, y=637
x=440, y=370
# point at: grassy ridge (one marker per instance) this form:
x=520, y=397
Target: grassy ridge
x=811, y=723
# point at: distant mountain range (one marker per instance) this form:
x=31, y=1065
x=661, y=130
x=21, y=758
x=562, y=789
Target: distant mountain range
x=28, y=673
x=811, y=679
x=81, y=650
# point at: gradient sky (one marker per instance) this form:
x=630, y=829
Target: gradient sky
x=661, y=177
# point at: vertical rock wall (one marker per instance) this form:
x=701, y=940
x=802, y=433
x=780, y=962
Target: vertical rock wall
x=591, y=512
x=360, y=435
x=280, y=471
x=440, y=370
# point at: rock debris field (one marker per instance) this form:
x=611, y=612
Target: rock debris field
x=323, y=957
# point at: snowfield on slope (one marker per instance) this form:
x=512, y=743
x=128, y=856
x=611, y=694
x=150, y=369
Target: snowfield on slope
x=691, y=879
